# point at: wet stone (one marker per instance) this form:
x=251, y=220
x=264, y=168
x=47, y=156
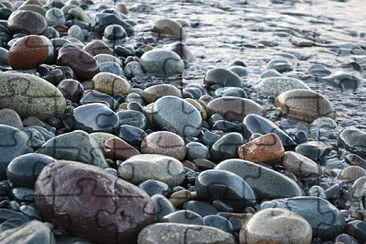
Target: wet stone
x=196, y=150
x=99, y=97
x=22, y=194
x=353, y=140
x=55, y=16
x=315, y=150
x=116, y=148
x=280, y=65
x=154, y=187
x=218, y=222
x=132, y=134
x=357, y=229
x=226, y=147
x=200, y=207
x=222, y=78
x=131, y=117
x=162, y=206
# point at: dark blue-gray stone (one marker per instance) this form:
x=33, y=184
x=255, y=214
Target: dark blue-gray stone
x=131, y=134
x=354, y=140
x=325, y=219
x=22, y=194
x=131, y=117
x=196, y=150
x=226, y=147
x=95, y=96
x=218, y=222
x=162, y=206
x=200, y=207
x=231, y=91
x=222, y=78
x=153, y=187
x=315, y=150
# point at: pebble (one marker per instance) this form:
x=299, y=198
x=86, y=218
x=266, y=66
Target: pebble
x=155, y=187
x=153, y=93
x=266, y=183
x=89, y=211
x=162, y=206
x=274, y=225
x=179, y=197
x=55, y=16
x=131, y=117
x=10, y=117
x=176, y=115
x=234, y=108
x=116, y=148
x=265, y=148
x=315, y=150
x=351, y=173
x=164, y=143
x=71, y=89
x=111, y=67
x=172, y=233
x=183, y=217
x=131, y=134
x=114, y=33
x=218, y=222
x=98, y=97
x=354, y=159
x=27, y=22
x=353, y=140
x=280, y=65
x=270, y=73
x=226, y=147
x=222, y=78
x=96, y=47
x=160, y=62
x=304, y=105
x=196, y=150
x=169, y=28
x=324, y=218
x=346, y=239
x=345, y=81
x=181, y=49
x=200, y=207
x=274, y=86
x=357, y=229
x=22, y=194
x=319, y=70
x=230, y=91
x=300, y=165
x=143, y=167
x=77, y=146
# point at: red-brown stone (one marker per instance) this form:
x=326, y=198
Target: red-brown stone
x=116, y=148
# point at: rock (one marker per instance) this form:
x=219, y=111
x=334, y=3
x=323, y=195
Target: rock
x=101, y=138
x=94, y=117
x=152, y=93
x=300, y=165
x=176, y=115
x=24, y=170
x=200, y=207
x=280, y=65
x=324, y=218
x=354, y=140
x=76, y=146
x=132, y=134
x=304, y=105
x=357, y=229
x=81, y=62
x=315, y=150
x=196, y=150
x=302, y=42
x=161, y=62
x=270, y=73
x=180, y=197
x=354, y=159
x=164, y=143
x=133, y=69
x=30, y=95
x=351, y=173
x=55, y=16
x=262, y=149
x=317, y=191
x=22, y=194
x=10, y=117
x=162, y=206
x=27, y=22
x=273, y=225
x=131, y=117
x=173, y=233
x=30, y=51
x=155, y=187
x=96, y=47
x=345, y=81
x=111, y=67
x=346, y=239
x=222, y=78
x=218, y=222
x=92, y=203
x=71, y=89
x=114, y=33
x=266, y=183
x=13, y=144
x=225, y=186
x=98, y=97
x=274, y=86
x=226, y=147
x=31, y=232
x=319, y=70
x=181, y=49
x=233, y=108
x=169, y=28
x=259, y=124
x=183, y=217
x=111, y=84
x=143, y=167
x=116, y=148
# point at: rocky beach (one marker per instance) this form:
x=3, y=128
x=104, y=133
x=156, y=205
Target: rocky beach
x=150, y=122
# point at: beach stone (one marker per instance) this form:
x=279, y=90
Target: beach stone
x=274, y=86
x=131, y=117
x=162, y=206
x=116, y=148
x=133, y=69
x=239, y=70
x=183, y=217
x=71, y=89
x=218, y=222
x=200, y=207
x=354, y=159
x=266, y=183
x=353, y=140
x=357, y=229
x=351, y=173
x=132, y=134
x=196, y=150
x=111, y=67
x=182, y=50
x=168, y=28
x=258, y=124
x=30, y=95
x=222, y=78
x=345, y=81
x=302, y=42
x=24, y=170
x=152, y=93
x=111, y=84
x=101, y=137
x=31, y=232
x=174, y=233
x=13, y=144
x=324, y=218
x=77, y=146
x=233, y=108
x=29, y=52
x=305, y=105
x=280, y=65
x=81, y=62
x=55, y=16
x=96, y=47
x=75, y=31
x=318, y=70
x=160, y=62
x=270, y=73
x=230, y=92
x=143, y=167
x=273, y=225
x=317, y=191
x=105, y=19
x=262, y=149
x=225, y=186
x=300, y=165
x=315, y=150
x=155, y=187
x=179, y=197
x=93, y=96
x=114, y=33
x=176, y=115
x=86, y=213
x=22, y=194
x=120, y=7
x=226, y=147
x=95, y=117
x=36, y=139
x=164, y=143
x=27, y=22
x=10, y=117
x=346, y=239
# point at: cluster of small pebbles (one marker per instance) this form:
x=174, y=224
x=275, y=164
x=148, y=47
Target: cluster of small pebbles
x=105, y=140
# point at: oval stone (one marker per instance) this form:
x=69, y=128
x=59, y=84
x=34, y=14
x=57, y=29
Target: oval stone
x=27, y=22
x=274, y=86
x=300, y=165
x=168, y=28
x=92, y=203
x=222, y=78
x=353, y=140
x=161, y=62
x=111, y=84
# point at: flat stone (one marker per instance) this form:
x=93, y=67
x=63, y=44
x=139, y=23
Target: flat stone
x=273, y=225
x=305, y=105
x=222, y=78
x=76, y=146
x=143, y=167
x=266, y=183
x=200, y=207
x=300, y=165
x=274, y=86
x=92, y=203
x=324, y=218
x=265, y=148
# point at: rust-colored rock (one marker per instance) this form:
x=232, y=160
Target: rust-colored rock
x=265, y=148
x=87, y=201
x=29, y=52
x=116, y=148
